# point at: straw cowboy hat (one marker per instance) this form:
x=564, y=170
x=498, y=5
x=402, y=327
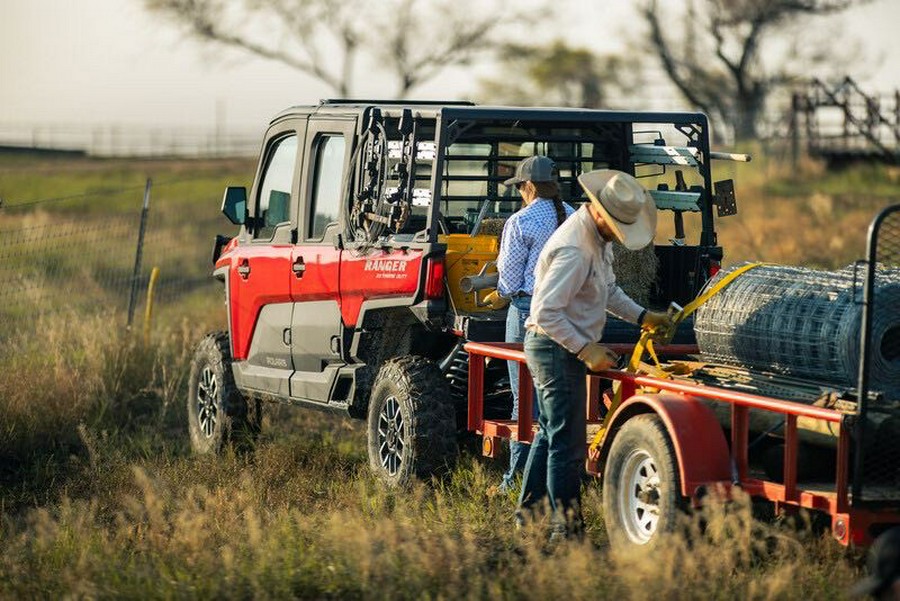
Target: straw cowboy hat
x=624, y=204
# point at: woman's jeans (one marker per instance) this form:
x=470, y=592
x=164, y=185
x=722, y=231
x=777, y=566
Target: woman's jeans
x=556, y=460
x=518, y=311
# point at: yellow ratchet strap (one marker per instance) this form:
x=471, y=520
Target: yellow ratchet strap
x=645, y=345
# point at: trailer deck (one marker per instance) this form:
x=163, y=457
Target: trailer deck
x=712, y=458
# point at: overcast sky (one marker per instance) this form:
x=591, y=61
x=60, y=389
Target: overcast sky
x=107, y=61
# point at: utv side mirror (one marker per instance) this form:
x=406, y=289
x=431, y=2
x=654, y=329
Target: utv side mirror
x=234, y=204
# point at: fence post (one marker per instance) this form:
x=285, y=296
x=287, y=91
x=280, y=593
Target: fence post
x=795, y=131
x=138, y=255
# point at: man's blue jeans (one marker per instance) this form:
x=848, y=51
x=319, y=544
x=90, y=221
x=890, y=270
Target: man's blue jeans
x=518, y=311
x=556, y=460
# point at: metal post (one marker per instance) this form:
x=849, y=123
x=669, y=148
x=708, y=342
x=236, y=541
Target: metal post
x=897, y=115
x=148, y=311
x=138, y=255
x=795, y=131
x=868, y=308
x=476, y=392
x=526, y=404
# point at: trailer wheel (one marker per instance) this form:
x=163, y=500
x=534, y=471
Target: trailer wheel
x=411, y=423
x=641, y=490
x=218, y=414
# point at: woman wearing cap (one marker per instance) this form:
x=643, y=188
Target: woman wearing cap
x=524, y=235
x=574, y=288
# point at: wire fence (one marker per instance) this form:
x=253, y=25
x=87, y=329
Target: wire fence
x=93, y=254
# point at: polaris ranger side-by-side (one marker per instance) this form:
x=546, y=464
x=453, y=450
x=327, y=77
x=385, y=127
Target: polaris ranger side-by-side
x=343, y=284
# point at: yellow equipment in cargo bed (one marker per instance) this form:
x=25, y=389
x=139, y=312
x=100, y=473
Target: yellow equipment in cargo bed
x=467, y=256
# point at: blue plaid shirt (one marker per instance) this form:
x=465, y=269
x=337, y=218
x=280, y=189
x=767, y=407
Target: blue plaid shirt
x=524, y=235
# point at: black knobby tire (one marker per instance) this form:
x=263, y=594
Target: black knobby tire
x=218, y=414
x=641, y=484
x=411, y=422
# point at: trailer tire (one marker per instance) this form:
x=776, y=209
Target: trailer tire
x=411, y=422
x=218, y=414
x=641, y=488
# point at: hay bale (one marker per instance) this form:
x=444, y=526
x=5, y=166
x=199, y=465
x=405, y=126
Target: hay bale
x=492, y=226
x=635, y=271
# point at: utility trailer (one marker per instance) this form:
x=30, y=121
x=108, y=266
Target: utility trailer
x=666, y=446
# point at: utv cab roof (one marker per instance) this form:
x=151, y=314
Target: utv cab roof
x=471, y=111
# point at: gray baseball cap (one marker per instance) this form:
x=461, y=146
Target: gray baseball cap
x=533, y=169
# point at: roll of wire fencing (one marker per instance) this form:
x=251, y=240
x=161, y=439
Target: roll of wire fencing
x=804, y=323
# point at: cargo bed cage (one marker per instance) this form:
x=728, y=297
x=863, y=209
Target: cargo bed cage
x=478, y=148
x=427, y=171
x=876, y=473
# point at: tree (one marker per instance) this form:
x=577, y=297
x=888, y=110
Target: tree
x=413, y=40
x=559, y=75
x=720, y=66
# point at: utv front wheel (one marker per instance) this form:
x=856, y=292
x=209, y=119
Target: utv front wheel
x=411, y=422
x=218, y=414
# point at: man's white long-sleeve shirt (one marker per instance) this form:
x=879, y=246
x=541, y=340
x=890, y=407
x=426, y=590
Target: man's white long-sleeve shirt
x=575, y=285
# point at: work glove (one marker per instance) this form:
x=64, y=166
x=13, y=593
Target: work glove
x=660, y=325
x=495, y=301
x=597, y=357
x=657, y=320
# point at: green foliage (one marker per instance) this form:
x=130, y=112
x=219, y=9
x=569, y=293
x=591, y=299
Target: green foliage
x=559, y=75
x=101, y=186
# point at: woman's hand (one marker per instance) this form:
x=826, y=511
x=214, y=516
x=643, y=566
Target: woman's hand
x=495, y=301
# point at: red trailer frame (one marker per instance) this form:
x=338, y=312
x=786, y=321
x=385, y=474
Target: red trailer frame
x=706, y=460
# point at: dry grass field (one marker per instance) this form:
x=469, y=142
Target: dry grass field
x=101, y=498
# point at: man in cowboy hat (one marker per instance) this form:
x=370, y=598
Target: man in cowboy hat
x=574, y=287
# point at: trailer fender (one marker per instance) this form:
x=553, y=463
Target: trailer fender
x=698, y=439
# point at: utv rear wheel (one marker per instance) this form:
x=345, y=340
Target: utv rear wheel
x=411, y=422
x=641, y=489
x=218, y=414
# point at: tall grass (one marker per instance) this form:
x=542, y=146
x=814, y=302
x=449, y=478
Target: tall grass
x=104, y=500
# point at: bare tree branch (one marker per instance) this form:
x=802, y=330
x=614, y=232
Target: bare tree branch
x=731, y=78
x=688, y=86
x=413, y=40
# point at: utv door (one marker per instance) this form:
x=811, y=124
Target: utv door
x=316, y=328
x=260, y=275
